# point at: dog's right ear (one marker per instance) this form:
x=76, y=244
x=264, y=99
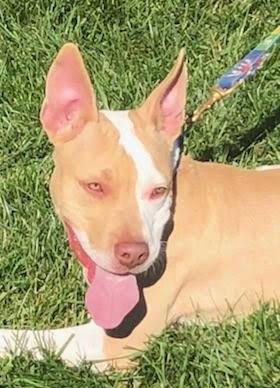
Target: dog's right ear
x=69, y=98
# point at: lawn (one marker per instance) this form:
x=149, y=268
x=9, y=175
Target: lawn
x=128, y=47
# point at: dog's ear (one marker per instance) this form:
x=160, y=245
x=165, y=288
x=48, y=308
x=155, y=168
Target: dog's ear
x=69, y=98
x=165, y=106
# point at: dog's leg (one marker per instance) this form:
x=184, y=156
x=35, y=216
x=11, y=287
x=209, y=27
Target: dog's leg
x=160, y=298
x=89, y=342
x=73, y=344
x=120, y=350
x=86, y=342
x=273, y=167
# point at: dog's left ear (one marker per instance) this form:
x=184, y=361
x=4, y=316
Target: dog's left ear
x=165, y=106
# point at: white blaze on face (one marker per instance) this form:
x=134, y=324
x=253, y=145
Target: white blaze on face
x=154, y=213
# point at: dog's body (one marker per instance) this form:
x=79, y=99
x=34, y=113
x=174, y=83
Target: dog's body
x=222, y=255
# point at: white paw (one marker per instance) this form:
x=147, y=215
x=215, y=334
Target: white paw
x=273, y=167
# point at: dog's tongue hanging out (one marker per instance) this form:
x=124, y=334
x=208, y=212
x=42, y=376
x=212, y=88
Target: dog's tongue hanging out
x=109, y=297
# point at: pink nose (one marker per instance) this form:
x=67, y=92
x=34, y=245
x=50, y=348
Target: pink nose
x=131, y=254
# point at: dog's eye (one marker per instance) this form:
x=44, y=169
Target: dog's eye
x=95, y=187
x=158, y=192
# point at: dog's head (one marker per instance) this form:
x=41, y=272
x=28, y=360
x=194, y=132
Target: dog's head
x=112, y=182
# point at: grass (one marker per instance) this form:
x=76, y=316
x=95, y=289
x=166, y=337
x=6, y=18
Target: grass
x=128, y=47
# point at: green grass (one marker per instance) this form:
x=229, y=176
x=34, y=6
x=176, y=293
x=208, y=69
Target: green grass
x=128, y=47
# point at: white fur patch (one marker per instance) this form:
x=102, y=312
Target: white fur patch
x=273, y=167
x=98, y=257
x=72, y=344
x=154, y=213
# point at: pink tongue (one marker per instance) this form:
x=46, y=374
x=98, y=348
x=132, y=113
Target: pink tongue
x=111, y=297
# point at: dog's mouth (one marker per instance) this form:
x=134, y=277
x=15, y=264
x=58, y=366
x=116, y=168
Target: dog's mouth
x=110, y=297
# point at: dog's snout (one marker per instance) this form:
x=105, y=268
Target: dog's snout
x=131, y=254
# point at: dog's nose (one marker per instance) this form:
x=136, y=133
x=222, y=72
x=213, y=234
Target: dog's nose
x=131, y=254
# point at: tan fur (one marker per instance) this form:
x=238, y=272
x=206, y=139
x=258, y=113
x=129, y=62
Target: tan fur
x=109, y=220
x=153, y=142
x=223, y=253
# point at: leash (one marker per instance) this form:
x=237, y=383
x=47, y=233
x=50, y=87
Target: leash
x=242, y=70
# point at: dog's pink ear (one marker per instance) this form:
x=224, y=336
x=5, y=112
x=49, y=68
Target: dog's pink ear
x=69, y=98
x=166, y=104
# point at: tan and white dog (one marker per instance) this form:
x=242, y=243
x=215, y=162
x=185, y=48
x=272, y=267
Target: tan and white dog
x=159, y=239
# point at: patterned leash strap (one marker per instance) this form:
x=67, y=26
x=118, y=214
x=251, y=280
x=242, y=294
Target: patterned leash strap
x=238, y=73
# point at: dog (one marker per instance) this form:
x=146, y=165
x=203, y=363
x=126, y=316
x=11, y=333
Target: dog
x=160, y=237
